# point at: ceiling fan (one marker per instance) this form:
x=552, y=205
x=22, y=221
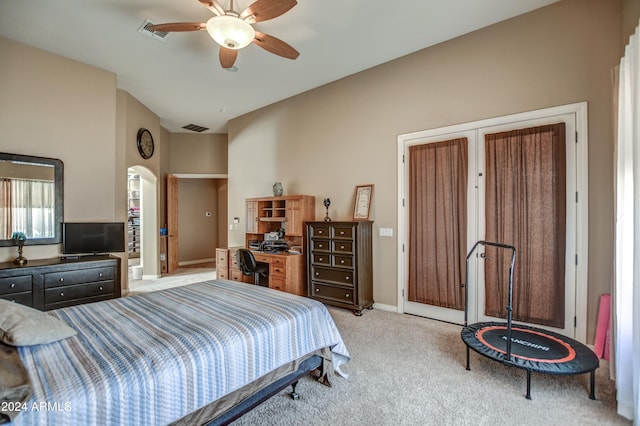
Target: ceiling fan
x=233, y=30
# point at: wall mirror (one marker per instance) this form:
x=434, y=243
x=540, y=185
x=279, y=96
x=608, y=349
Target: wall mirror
x=31, y=199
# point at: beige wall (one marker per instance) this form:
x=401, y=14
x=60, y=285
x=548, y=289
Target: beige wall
x=54, y=107
x=326, y=141
x=198, y=153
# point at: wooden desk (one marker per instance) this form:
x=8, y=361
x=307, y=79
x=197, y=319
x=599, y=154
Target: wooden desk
x=286, y=270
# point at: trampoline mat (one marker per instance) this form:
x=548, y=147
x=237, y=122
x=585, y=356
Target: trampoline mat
x=531, y=348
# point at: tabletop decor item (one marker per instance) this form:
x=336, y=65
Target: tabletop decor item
x=277, y=189
x=362, y=205
x=327, y=203
x=19, y=238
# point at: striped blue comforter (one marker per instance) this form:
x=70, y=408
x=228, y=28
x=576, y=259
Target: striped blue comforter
x=153, y=358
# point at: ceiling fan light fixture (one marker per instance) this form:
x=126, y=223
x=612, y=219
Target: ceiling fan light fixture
x=230, y=31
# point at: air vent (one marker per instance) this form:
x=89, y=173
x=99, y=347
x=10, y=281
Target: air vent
x=195, y=128
x=144, y=29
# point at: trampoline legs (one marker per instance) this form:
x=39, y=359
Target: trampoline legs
x=468, y=359
x=528, y=384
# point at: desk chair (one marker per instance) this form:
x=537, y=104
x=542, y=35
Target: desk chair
x=248, y=266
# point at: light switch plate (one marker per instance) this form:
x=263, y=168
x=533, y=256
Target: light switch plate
x=386, y=232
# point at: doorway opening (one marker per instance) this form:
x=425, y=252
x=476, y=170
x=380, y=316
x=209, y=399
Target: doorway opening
x=142, y=223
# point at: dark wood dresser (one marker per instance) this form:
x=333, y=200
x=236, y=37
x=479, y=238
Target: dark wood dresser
x=55, y=283
x=339, y=264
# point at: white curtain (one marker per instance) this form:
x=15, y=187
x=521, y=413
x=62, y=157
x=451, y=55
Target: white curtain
x=32, y=207
x=627, y=245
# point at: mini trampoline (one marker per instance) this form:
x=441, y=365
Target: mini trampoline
x=525, y=347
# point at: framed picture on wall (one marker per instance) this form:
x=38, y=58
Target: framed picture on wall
x=362, y=204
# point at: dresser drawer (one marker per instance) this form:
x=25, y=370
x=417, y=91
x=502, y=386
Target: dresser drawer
x=321, y=259
x=222, y=257
x=222, y=273
x=342, y=246
x=338, y=294
x=340, y=232
x=320, y=245
x=15, y=284
x=80, y=291
x=81, y=276
x=277, y=271
x=342, y=261
x=23, y=298
x=333, y=275
x=320, y=231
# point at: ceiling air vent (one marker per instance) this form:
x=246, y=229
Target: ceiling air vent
x=195, y=128
x=144, y=29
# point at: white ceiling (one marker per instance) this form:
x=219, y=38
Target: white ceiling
x=180, y=79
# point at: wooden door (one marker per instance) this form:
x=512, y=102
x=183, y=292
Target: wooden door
x=172, y=223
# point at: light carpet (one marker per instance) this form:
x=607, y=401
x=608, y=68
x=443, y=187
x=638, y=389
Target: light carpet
x=407, y=370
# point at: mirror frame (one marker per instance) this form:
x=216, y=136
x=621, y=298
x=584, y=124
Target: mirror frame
x=58, y=210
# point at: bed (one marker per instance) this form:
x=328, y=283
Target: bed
x=195, y=354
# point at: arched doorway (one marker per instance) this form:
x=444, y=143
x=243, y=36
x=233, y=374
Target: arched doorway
x=143, y=222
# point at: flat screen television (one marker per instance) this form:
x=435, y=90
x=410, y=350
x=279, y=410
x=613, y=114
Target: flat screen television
x=92, y=237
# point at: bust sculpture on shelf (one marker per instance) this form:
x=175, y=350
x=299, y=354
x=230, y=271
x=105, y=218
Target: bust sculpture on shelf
x=277, y=189
x=327, y=203
x=19, y=238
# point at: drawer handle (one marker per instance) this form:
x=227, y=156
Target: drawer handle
x=100, y=288
x=347, y=278
x=100, y=275
x=317, y=290
x=61, y=279
x=317, y=274
x=319, y=232
x=321, y=259
x=346, y=295
x=342, y=261
x=341, y=232
x=61, y=294
x=12, y=285
x=341, y=247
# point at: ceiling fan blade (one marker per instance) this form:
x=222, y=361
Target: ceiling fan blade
x=275, y=46
x=227, y=57
x=263, y=10
x=178, y=26
x=213, y=6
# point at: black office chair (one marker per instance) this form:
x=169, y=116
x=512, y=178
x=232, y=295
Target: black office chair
x=248, y=265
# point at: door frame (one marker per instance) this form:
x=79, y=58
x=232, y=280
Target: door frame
x=582, y=198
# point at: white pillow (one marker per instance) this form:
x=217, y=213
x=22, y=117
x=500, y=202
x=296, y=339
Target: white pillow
x=21, y=325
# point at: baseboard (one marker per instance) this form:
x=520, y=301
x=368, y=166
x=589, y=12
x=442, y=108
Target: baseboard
x=383, y=307
x=195, y=262
x=151, y=277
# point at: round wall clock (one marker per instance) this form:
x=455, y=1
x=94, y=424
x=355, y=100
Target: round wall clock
x=145, y=143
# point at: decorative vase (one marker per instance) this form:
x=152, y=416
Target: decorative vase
x=277, y=189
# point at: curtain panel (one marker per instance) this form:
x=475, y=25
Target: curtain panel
x=525, y=207
x=626, y=300
x=5, y=209
x=438, y=222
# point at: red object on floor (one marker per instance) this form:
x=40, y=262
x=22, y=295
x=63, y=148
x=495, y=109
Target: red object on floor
x=601, y=346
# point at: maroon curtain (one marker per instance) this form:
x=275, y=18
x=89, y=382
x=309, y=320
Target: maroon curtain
x=525, y=207
x=438, y=222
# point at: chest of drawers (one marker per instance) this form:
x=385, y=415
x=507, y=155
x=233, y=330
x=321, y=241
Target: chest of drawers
x=54, y=283
x=339, y=264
